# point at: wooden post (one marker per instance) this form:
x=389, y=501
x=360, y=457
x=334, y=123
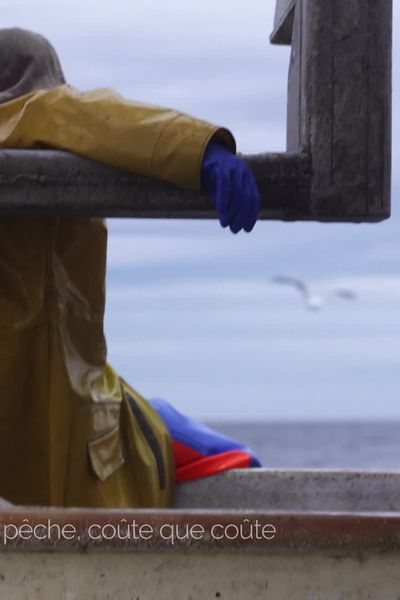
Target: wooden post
x=339, y=105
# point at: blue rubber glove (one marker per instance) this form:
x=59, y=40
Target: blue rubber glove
x=228, y=180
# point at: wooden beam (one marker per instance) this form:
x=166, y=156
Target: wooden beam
x=339, y=105
x=52, y=183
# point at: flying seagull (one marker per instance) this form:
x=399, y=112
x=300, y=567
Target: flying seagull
x=312, y=301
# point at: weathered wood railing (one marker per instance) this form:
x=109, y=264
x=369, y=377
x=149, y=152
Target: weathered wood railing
x=337, y=165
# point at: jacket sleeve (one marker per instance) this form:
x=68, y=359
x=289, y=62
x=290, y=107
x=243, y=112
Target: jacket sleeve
x=102, y=125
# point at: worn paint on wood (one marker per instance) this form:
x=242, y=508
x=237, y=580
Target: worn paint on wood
x=339, y=104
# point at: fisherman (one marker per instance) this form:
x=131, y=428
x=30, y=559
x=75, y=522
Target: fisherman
x=72, y=432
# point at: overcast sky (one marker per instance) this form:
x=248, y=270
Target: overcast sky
x=192, y=315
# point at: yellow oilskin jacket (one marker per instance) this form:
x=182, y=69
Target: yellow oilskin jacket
x=65, y=424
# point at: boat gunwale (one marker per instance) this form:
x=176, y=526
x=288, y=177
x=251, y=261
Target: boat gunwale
x=302, y=531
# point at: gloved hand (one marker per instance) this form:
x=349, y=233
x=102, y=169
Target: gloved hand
x=228, y=180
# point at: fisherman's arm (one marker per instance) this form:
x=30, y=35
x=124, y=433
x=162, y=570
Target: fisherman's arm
x=146, y=139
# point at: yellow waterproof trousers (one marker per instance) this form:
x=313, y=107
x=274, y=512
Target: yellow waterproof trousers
x=65, y=431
